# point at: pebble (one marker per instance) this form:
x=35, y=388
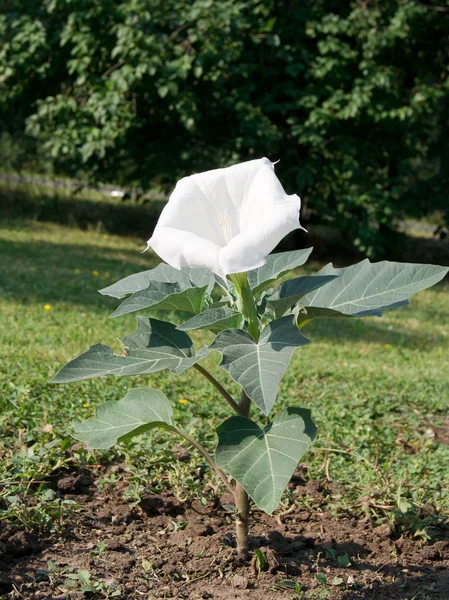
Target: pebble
x=240, y=582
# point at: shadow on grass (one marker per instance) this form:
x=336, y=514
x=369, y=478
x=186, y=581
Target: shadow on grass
x=130, y=218
x=378, y=330
x=50, y=272
x=121, y=218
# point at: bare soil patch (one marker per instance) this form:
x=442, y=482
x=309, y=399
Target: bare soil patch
x=165, y=548
x=442, y=433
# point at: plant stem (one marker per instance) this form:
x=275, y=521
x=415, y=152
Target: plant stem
x=229, y=399
x=248, y=308
x=246, y=302
x=241, y=497
x=207, y=456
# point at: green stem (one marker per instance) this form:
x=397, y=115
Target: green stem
x=247, y=306
x=246, y=302
x=229, y=399
x=207, y=456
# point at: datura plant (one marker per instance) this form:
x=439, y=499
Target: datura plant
x=215, y=235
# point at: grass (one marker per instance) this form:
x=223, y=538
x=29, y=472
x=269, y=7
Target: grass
x=85, y=209
x=378, y=389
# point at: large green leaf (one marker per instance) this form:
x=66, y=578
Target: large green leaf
x=288, y=293
x=201, y=277
x=162, y=341
x=165, y=296
x=154, y=346
x=276, y=267
x=140, y=281
x=141, y=410
x=216, y=319
x=259, y=367
x=263, y=460
x=306, y=314
x=368, y=288
x=162, y=273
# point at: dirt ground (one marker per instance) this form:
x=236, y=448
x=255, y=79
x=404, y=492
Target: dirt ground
x=164, y=548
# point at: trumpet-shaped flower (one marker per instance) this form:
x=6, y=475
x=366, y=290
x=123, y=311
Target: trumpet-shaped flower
x=227, y=220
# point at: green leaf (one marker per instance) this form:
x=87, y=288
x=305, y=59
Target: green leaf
x=306, y=314
x=259, y=366
x=165, y=296
x=263, y=460
x=260, y=559
x=141, y=410
x=276, y=267
x=343, y=561
x=216, y=319
x=162, y=341
x=289, y=292
x=368, y=288
x=154, y=346
x=162, y=273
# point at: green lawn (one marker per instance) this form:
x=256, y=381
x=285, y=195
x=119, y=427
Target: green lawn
x=378, y=388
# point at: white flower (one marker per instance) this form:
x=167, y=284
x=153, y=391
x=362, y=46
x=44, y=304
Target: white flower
x=227, y=220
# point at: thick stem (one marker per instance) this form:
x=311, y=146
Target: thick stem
x=247, y=306
x=229, y=399
x=249, y=311
x=242, y=521
x=241, y=497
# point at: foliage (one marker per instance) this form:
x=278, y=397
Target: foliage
x=353, y=97
x=377, y=412
x=249, y=460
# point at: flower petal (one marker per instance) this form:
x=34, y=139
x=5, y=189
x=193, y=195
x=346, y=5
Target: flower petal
x=184, y=249
x=249, y=250
x=227, y=220
x=263, y=190
x=198, y=200
x=190, y=209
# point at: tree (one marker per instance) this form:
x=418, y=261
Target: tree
x=351, y=96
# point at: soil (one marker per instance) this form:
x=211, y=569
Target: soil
x=166, y=548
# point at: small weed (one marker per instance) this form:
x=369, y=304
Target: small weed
x=108, y=482
x=259, y=561
x=289, y=585
x=81, y=580
x=178, y=525
x=45, y=515
x=99, y=550
x=324, y=591
x=339, y=560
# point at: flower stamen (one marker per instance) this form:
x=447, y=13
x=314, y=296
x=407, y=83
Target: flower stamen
x=226, y=224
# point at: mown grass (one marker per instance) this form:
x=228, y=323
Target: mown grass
x=378, y=388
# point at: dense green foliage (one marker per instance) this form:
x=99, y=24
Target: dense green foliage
x=351, y=96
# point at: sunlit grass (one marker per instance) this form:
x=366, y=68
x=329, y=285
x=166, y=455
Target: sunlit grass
x=378, y=388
